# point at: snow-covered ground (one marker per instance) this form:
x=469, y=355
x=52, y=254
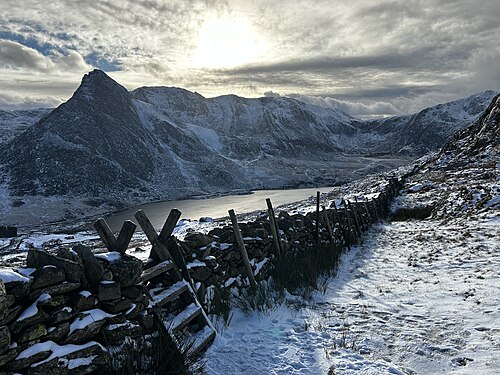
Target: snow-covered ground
x=417, y=297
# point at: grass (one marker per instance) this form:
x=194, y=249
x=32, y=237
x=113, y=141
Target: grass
x=154, y=355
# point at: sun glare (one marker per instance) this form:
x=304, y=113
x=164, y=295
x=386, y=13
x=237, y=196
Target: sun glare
x=225, y=42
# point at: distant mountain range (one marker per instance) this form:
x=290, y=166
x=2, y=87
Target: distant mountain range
x=109, y=144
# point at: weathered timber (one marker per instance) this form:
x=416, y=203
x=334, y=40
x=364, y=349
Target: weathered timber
x=317, y=216
x=241, y=245
x=168, y=227
x=105, y=233
x=159, y=250
x=274, y=227
x=126, y=233
x=328, y=227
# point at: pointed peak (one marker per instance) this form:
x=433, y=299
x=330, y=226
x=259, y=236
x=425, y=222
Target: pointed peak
x=98, y=83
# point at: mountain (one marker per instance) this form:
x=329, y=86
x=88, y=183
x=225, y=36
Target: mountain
x=462, y=180
x=106, y=144
x=15, y=122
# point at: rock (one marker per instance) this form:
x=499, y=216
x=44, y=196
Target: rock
x=2, y=288
x=109, y=291
x=117, y=333
x=7, y=357
x=86, y=326
x=55, y=301
x=126, y=270
x=134, y=311
x=211, y=262
x=26, y=356
x=55, y=290
x=133, y=293
x=197, y=240
x=146, y=320
x=69, y=254
x=14, y=283
x=200, y=273
x=82, y=359
x=30, y=316
x=47, y=276
x=82, y=301
x=94, y=271
x=6, y=301
x=107, y=276
x=73, y=270
x=9, y=315
x=32, y=333
x=57, y=333
x=62, y=315
x=116, y=307
x=4, y=339
x=225, y=234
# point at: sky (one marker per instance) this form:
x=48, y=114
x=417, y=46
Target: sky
x=366, y=57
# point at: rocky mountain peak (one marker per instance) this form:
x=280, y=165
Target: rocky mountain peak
x=97, y=85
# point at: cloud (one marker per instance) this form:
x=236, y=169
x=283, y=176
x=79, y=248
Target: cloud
x=360, y=55
x=15, y=56
x=356, y=109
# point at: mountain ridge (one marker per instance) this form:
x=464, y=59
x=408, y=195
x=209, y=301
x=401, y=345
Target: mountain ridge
x=157, y=143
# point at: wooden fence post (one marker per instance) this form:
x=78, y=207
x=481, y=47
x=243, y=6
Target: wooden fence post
x=274, y=227
x=328, y=227
x=125, y=235
x=241, y=244
x=317, y=217
x=342, y=230
x=105, y=233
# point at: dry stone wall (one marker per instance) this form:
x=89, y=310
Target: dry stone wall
x=68, y=308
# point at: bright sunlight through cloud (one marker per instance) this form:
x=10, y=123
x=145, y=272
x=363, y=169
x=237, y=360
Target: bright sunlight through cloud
x=226, y=42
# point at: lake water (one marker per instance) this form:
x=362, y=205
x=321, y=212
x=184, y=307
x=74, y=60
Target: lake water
x=213, y=207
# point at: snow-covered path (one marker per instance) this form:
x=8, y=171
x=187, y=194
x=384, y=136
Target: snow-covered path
x=416, y=297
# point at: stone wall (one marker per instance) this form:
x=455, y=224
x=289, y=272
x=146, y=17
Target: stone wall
x=68, y=307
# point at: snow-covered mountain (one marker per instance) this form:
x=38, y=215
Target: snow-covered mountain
x=109, y=144
x=14, y=122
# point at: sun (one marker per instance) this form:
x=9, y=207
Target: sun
x=226, y=42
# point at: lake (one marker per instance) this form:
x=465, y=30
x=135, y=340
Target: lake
x=213, y=207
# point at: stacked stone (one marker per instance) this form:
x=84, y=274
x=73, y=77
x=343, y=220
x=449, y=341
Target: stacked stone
x=58, y=314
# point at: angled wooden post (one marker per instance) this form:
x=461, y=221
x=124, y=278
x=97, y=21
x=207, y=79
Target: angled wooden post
x=327, y=224
x=105, y=233
x=274, y=227
x=169, y=226
x=243, y=251
x=125, y=235
x=159, y=250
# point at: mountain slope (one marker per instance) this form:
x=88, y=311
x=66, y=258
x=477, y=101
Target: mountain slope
x=112, y=145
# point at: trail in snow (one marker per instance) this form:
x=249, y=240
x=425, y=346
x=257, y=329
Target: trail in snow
x=415, y=298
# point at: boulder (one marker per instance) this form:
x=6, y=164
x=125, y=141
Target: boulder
x=78, y=360
x=47, y=276
x=126, y=269
x=9, y=315
x=86, y=326
x=30, y=316
x=94, y=271
x=32, y=333
x=7, y=357
x=62, y=315
x=4, y=339
x=109, y=291
x=14, y=283
x=55, y=301
x=82, y=301
x=197, y=240
x=117, y=307
x=117, y=333
x=133, y=293
x=6, y=301
x=58, y=332
x=73, y=270
x=200, y=273
x=28, y=355
x=56, y=290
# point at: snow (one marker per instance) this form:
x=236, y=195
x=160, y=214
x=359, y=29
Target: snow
x=415, y=297
x=112, y=256
x=33, y=309
x=85, y=293
x=88, y=318
x=79, y=362
x=10, y=276
x=57, y=350
x=195, y=264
